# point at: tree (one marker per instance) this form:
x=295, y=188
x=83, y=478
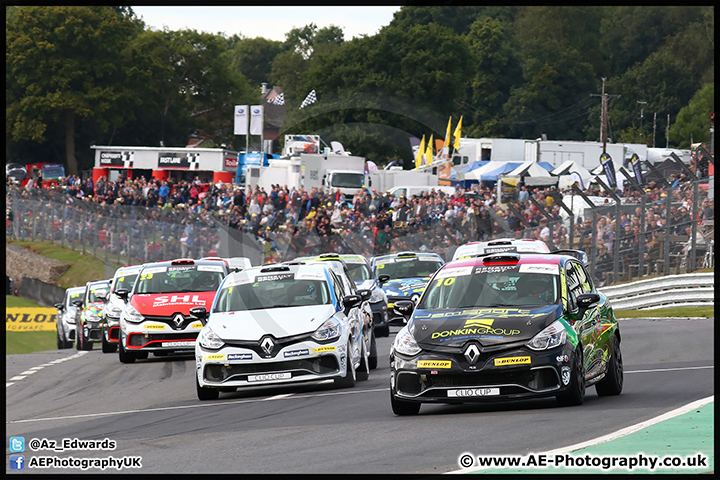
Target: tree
x=253, y=58
x=64, y=63
x=693, y=120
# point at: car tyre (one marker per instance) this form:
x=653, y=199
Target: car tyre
x=141, y=355
x=575, y=394
x=403, y=408
x=204, y=393
x=349, y=379
x=612, y=384
x=108, y=347
x=61, y=342
x=382, y=331
x=125, y=356
x=363, y=372
x=373, y=360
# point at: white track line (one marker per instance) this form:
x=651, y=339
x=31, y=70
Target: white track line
x=211, y=404
x=32, y=370
x=620, y=433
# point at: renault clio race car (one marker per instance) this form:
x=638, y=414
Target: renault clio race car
x=123, y=280
x=280, y=324
x=361, y=273
x=404, y=275
x=66, y=313
x=506, y=326
x=88, y=316
x=157, y=316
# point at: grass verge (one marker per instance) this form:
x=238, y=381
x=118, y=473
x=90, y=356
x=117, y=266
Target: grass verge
x=707, y=312
x=29, y=342
x=83, y=268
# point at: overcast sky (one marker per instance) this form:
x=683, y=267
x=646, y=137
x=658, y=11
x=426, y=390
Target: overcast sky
x=267, y=22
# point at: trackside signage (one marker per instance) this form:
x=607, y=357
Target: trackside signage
x=30, y=319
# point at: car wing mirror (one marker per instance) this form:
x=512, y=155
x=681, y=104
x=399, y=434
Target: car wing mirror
x=77, y=303
x=60, y=306
x=122, y=293
x=199, y=313
x=404, y=308
x=585, y=301
x=383, y=278
x=349, y=301
x=365, y=294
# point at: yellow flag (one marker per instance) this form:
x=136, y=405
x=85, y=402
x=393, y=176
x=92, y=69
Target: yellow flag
x=421, y=150
x=446, y=145
x=456, y=145
x=429, y=152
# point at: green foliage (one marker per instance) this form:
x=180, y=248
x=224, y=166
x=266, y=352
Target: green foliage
x=98, y=75
x=17, y=343
x=692, y=120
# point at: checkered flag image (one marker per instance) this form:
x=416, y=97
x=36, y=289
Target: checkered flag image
x=194, y=163
x=278, y=100
x=311, y=98
x=127, y=158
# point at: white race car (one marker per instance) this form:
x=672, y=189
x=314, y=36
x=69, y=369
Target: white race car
x=66, y=312
x=124, y=279
x=280, y=324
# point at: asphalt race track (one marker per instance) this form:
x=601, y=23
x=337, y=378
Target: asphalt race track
x=151, y=410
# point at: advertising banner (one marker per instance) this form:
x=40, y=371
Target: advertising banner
x=607, y=163
x=635, y=162
x=183, y=161
x=30, y=319
x=256, y=120
x=121, y=159
x=241, y=119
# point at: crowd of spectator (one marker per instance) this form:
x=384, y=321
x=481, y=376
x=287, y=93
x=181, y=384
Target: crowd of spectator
x=373, y=222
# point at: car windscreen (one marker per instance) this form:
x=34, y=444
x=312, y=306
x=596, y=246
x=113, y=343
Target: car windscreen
x=179, y=279
x=260, y=294
x=359, y=272
x=493, y=286
x=92, y=293
x=125, y=282
x=407, y=267
x=74, y=296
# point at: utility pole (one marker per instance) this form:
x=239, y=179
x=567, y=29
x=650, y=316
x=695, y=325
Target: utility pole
x=654, y=125
x=641, y=116
x=603, y=115
x=667, y=133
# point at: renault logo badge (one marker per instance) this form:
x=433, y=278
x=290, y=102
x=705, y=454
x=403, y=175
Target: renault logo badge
x=178, y=319
x=267, y=345
x=472, y=353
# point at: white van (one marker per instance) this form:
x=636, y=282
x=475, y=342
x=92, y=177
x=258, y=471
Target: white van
x=409, y=191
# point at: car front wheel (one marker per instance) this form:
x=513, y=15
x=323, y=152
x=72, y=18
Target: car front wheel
x=125, y=356
x=575, y=394
x=349, y=379
x=612, y=384
x=204, y=393
x=373, y=352
x=403, y=408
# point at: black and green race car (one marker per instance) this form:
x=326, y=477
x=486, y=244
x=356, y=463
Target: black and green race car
x=504, y=326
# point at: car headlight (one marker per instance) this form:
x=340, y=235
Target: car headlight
x=113, y=310
x=327, y=331
x=131, y=315
x=378, y=295
x=92, y=317
x=550, y=337
x=209, y=339
x=405, y=343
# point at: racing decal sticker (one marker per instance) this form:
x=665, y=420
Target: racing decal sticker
x=562, y=358
x=274, y=278
x=478, y=322
x=511, y=361
x=500, y=249
x=482, y=330
x=214, y=356
x=210, y=268
x=454, y=272
x=239, y=356
x=495, y=269
x=296, y=353
x=328, y=348
x=485, y=312
x=196, y=325
x=181, y=268
x=434, y=363
x=563, y=291
x=548, y=269
x=154, y=326
x=154, y=270
x=187, y=299
x=310, y=276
